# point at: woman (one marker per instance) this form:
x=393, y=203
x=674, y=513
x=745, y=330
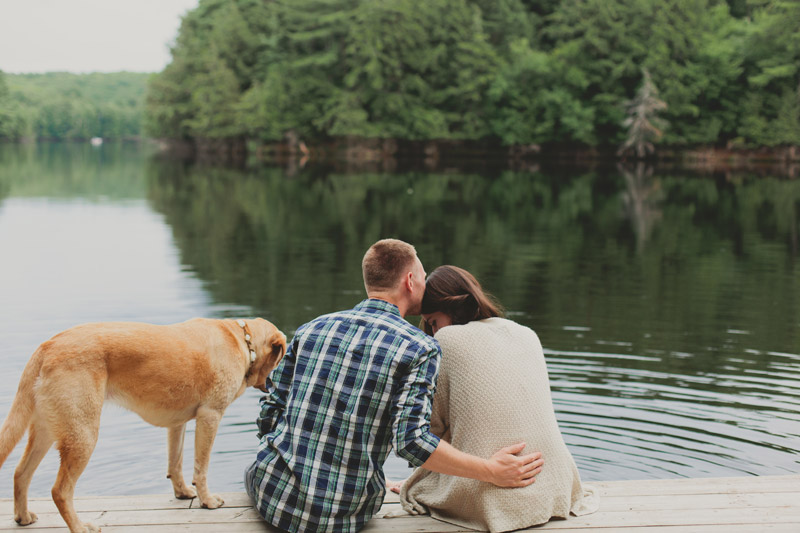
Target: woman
x=492, y=391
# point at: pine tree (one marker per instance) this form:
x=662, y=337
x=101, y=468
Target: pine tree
x=644, y=126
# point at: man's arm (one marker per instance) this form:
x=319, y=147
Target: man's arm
x=504, y=468
x=273, y=404
x=411, y=409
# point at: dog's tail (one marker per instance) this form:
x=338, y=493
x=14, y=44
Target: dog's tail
x=21, y=412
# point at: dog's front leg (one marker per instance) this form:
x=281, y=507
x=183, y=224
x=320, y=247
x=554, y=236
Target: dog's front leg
x=205, y=432
x=175, y=468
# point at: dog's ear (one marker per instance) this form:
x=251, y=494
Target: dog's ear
x=278, y=343
x=274, y=349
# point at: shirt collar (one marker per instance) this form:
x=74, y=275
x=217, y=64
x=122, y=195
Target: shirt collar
x=373, y=304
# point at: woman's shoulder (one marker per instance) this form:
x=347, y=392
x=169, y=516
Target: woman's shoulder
x=488, y=327
x=501, y=324
x=454, y=333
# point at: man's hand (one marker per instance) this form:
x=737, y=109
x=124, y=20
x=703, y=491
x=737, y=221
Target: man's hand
x=506, y=469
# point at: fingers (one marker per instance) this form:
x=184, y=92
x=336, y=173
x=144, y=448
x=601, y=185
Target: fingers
x=527, y=476
x=535, y=456
x=514, y=449
x=512, y=470
x=531, y=475
x=525, y=482
x=396, y=490
x=532, y=466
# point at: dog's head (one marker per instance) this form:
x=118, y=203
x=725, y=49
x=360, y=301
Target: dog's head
x=270, y=346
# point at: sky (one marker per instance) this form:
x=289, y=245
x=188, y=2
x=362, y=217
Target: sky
x=88, y=35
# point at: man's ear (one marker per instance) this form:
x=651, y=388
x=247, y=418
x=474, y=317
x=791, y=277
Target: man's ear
x=409, y=281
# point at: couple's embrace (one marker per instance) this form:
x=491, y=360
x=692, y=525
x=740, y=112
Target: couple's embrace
x=469, y=407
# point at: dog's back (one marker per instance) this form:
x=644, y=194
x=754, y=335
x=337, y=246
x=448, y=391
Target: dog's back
x=161, y=372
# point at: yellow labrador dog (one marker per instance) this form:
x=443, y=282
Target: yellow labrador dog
x=167, y=374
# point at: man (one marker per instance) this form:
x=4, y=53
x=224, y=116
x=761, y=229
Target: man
x=352, y=386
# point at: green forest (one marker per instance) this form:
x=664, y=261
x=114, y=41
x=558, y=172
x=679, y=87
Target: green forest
x=519, y=71
x=600, y=73
x=64, y=106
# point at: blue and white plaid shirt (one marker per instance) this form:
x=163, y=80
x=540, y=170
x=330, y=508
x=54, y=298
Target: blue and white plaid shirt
x=352, y=386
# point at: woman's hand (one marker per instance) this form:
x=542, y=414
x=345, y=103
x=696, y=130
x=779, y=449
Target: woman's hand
x=507, y=469
x=394, y=486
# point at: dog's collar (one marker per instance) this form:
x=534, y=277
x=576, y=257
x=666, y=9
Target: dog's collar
x=247, y=338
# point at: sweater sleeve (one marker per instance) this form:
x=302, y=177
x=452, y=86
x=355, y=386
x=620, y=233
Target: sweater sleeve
x=440, y=414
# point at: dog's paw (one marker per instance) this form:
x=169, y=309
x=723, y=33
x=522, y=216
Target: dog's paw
x=213, y=502
x=185, y=493
x=90, y=528
x=25, y=519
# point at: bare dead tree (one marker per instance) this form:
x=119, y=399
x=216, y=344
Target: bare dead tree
x=644, y=125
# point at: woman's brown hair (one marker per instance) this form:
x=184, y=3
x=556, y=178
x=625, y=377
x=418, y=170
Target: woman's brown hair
x=456, y=293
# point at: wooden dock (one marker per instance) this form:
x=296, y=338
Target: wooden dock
x=729, y=505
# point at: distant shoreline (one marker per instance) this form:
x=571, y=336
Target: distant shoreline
x=388, y=155
x=393, y=154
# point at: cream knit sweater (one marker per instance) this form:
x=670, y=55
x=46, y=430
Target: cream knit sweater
x=493, y=391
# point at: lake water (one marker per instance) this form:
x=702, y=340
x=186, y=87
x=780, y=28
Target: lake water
x=668, y=304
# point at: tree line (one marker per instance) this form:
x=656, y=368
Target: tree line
x=62, y=106
x=610, y=73
x=521, y=71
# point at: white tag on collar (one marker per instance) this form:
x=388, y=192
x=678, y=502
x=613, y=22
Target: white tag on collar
x=252, y=356
x=240, y=322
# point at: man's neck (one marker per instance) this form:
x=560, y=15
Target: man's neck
x=392, y=299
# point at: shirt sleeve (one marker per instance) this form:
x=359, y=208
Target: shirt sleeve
x=411, y=409
x=274, y=403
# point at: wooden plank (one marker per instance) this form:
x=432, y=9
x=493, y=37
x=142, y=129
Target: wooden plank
x=410, y=523
x=671, y=518
x=262, y=528
x=121, y=503
x=660, y=506
x=727, y=528
x=601, y=519
x=739, y=520
x=245, y=527
x=652, y=522
x=709, y=528
x=681, y=502
x=727, y=485
x=677, y=502
x=153, y=517
x=611, y=500
x=736, y=485
x=46, y=505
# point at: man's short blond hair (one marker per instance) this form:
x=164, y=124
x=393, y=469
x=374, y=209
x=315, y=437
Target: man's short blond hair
x=385, y=263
